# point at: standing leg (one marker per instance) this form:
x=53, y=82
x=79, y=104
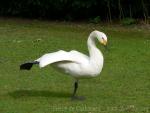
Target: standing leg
x=75, y=88
x=74, y=97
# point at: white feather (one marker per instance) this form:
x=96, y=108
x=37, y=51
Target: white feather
x=75, y=63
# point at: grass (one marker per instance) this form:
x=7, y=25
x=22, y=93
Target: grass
x=122, y=87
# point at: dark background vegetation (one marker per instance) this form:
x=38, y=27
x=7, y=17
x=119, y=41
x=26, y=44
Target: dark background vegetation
x=105, y=10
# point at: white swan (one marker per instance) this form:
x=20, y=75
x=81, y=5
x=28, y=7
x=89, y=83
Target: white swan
x=75, y=63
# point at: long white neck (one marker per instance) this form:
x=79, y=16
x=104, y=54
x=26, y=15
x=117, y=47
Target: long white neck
x=95, y=54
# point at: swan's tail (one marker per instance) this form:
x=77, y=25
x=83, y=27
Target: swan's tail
x=28, y=65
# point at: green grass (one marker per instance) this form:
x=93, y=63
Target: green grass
x=122, y=87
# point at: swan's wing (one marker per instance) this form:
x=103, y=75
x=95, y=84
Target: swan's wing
x=61, y=56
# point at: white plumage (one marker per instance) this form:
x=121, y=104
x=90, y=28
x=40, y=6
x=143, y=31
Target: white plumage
x=75, y=63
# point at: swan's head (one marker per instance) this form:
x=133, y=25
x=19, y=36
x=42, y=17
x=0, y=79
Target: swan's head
x=102, y=38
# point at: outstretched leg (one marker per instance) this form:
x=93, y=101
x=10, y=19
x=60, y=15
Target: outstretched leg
x=74, y=97
x=28, y=65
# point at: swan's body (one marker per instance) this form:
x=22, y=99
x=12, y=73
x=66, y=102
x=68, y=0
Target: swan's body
x=75, y=63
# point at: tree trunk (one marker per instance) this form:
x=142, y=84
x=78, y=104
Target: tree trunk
x=109, y=11
x=145, y=11
x=120, y=10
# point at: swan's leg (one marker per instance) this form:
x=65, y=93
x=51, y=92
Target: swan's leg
x=75, y=88
x=74, y=97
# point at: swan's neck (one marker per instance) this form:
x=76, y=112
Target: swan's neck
x=96, y=56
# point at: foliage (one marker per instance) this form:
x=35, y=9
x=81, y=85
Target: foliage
x=75, y=9
x=95, y=20
x=128, y=21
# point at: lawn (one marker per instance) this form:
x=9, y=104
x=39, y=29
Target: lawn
x=122, y=87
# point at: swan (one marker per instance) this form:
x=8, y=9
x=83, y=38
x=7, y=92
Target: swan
x=75, y=63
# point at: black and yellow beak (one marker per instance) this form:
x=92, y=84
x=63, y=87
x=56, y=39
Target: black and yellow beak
x=104, y=42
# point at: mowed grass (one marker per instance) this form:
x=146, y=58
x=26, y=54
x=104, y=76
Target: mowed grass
x=122, y=87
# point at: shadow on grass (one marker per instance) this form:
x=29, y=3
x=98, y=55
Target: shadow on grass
x=37, y=93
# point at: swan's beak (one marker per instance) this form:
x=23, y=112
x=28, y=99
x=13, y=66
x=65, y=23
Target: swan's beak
x=104, y=42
